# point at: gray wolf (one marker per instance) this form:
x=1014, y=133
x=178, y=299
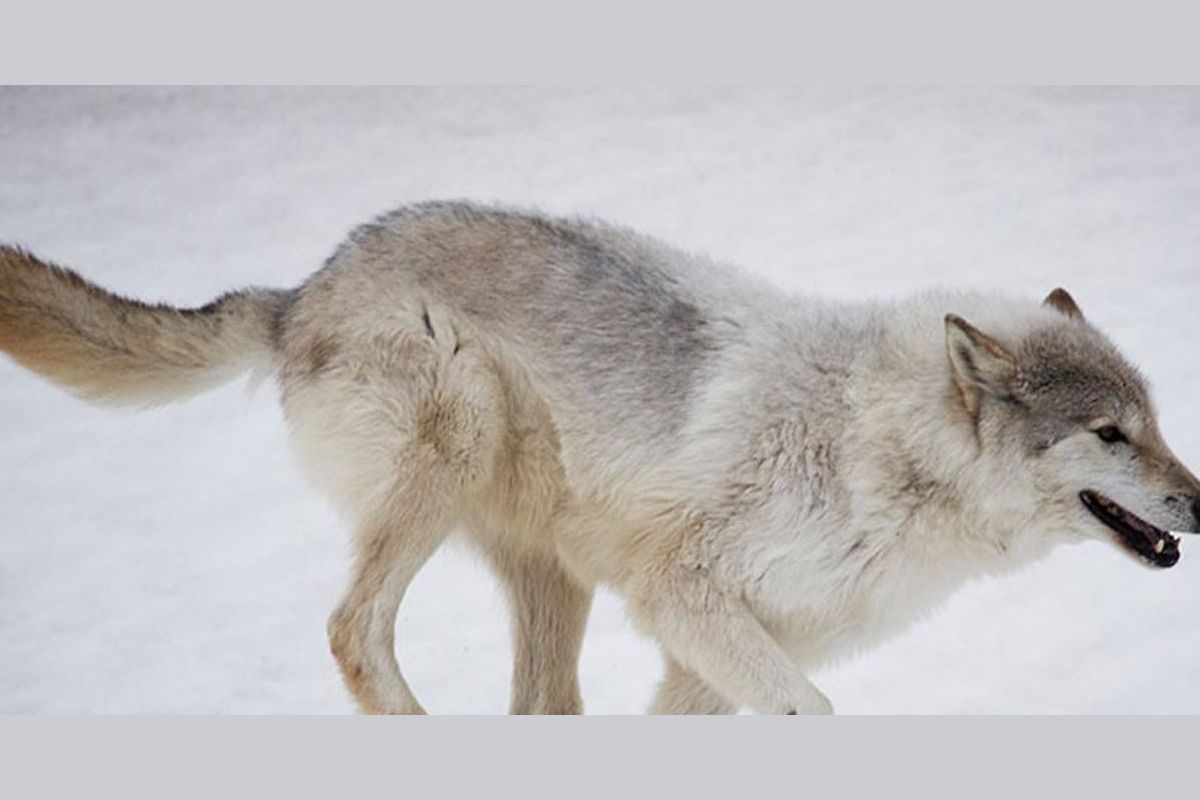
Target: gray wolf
x=769, y=481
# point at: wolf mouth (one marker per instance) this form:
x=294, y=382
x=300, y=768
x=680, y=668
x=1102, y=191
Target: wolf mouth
x=1153, y=545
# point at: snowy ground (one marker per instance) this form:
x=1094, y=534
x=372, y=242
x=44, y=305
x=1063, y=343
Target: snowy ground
x=173, y=560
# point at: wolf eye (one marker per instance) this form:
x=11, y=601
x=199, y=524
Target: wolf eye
x=1111, y=434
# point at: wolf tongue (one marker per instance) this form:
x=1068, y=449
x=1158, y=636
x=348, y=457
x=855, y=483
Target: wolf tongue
x=1129, y=524
x=1152, y=534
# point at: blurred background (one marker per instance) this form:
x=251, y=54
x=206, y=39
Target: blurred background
x=173, y=560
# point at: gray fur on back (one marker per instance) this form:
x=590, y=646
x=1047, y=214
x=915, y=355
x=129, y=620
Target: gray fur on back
x=598, y=311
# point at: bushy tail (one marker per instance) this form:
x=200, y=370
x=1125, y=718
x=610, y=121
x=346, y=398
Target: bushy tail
x=111, y=349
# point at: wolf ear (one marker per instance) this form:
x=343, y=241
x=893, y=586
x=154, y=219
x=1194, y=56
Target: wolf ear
x=1061, y=301
x=978, y=363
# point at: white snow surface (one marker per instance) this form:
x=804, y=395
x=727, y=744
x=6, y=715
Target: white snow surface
x=173, y=560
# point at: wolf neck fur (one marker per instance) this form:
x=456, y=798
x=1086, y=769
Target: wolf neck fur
x=925, y=445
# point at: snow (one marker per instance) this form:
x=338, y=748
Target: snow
x=173, y=560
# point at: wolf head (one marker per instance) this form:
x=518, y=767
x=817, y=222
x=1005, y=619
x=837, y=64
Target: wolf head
x=1073, y=424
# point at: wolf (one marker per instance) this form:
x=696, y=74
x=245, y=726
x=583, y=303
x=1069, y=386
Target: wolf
x=769, y=481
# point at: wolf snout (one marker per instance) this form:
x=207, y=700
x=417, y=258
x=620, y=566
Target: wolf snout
x=1175, y=501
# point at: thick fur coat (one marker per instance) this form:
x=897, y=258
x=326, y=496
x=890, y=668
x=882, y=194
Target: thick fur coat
x=769, y=481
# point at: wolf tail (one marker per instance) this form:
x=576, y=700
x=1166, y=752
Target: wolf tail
x=112, y=349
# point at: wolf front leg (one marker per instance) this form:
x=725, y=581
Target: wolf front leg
x=713, y=634
x=681, y=692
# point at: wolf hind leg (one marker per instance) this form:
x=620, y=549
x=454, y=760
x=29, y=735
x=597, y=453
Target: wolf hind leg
x=402, y=433
x=682, y=692
x=361, y=629
x=549, y=615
